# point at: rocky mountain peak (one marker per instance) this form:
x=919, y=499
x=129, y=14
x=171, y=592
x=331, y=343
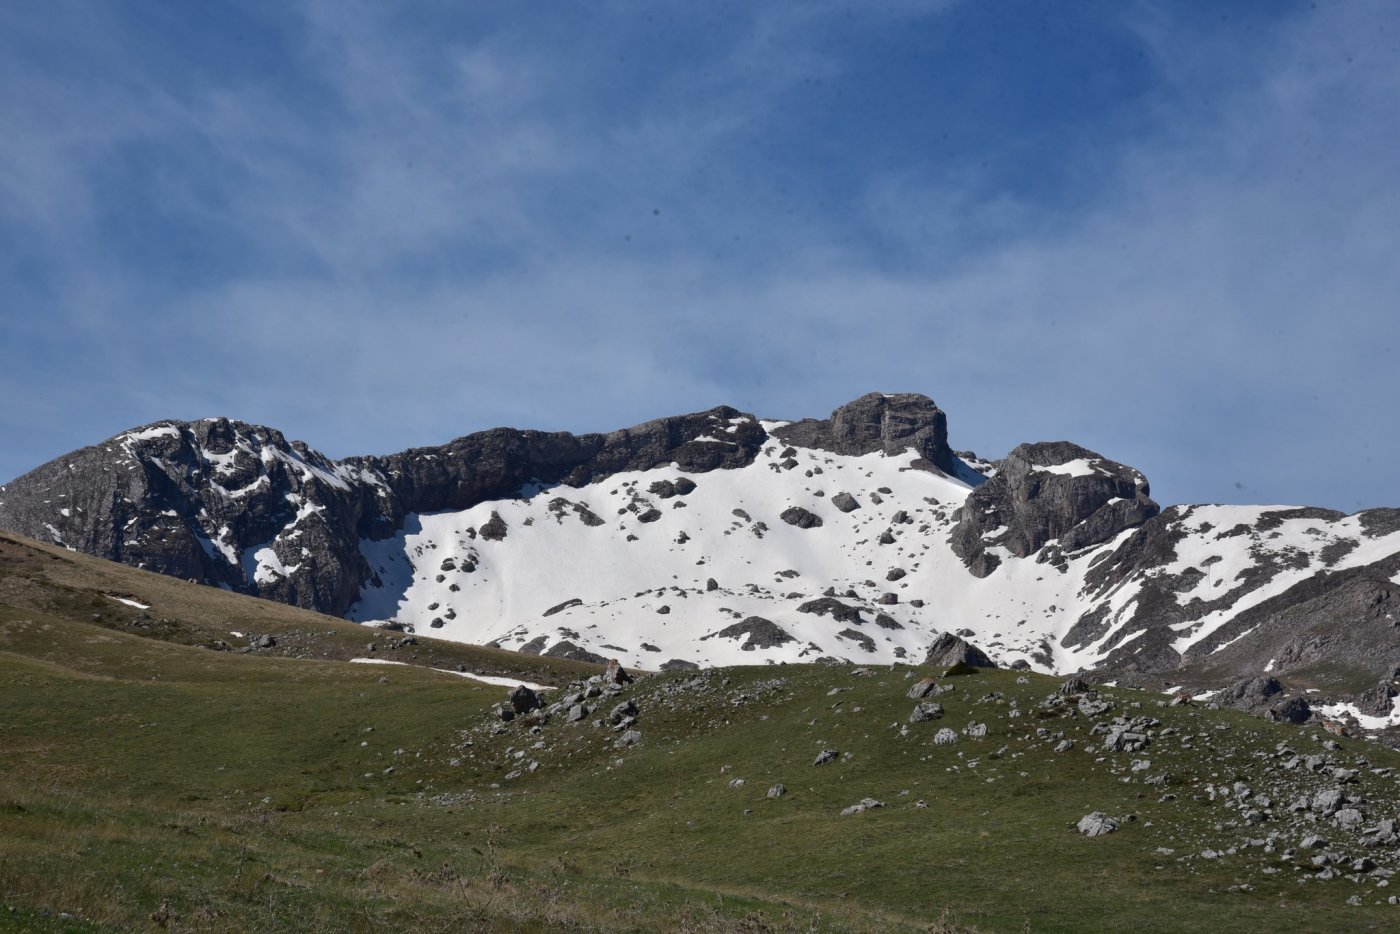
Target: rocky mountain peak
x=889, y=423
x=1049, y=491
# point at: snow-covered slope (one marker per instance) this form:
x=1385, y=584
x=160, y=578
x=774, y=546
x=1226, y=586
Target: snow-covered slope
x=620, y=586
x=641, y=570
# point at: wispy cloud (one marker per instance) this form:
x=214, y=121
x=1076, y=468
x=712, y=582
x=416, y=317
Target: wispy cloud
x=390, y=230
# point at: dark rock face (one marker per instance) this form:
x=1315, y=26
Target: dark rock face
x=561, y=607
x=1049, y=491
x=1325, y=622
x=567, y=649
x=535, y=646
x=560, y=506
x=845, y=502
x=858, y=637
x=1378, y=522
x=662, y=489
x=949, y=650
x=761, y=633
x=206, y=501
x=1377, y=702
x=802, y=518
x=495, y=464
x=1295, y=710
x=878, y=422
x=1252, y=694
x=494, y=529
x=524, y=700
x=841, y=612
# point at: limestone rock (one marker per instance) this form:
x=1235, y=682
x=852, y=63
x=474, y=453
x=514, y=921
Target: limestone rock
x=948, y=650
x=879, y=422
x=1097, y=824
x=1050, y=490
x=925, y=712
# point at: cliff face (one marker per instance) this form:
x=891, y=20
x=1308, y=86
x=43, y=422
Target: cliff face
x=1049, y=492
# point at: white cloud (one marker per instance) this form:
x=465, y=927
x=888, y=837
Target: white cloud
x=437, y=241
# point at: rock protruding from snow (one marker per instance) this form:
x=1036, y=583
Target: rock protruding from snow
x=841, y=612
x=891, y=424
x=569, y=650
x=845, y=502
x=1049, y=491
x=761, y=634
x=494, y=529
x=1378, y=701
x=802, y=518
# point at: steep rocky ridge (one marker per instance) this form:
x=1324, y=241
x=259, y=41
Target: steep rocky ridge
x=237, y=505
x=500, y=462
x=215, y=501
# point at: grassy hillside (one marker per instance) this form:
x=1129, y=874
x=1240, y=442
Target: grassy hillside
x=149, y=783
x=37, y=578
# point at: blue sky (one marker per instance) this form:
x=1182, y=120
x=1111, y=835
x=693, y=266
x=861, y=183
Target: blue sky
x=1166, y=231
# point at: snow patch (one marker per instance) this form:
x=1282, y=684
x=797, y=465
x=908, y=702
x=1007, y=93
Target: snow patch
x=262, y=566
x=1366, y=721
x=1082, y=467
x=484, y=679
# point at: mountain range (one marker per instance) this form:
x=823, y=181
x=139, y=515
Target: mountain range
x=721, y=538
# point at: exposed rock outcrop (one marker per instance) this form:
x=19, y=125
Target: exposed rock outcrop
x=761, y=634
x=949, y=650
x=1049, y=491
x=879, y=422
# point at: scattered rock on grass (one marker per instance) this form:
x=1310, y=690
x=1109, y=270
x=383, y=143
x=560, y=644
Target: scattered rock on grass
x=925, y=712
x=1097, y=824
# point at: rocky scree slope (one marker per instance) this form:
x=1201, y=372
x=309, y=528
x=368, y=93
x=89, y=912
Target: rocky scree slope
x=1205, y=793
x=720, y=538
